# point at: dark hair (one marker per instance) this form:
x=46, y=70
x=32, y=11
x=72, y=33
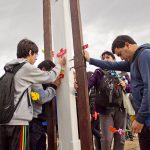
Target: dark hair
x=24, y=46
x=120, y=40
x=47, y=65
x=108, y=53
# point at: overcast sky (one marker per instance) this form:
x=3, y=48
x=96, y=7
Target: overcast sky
x=102, y=21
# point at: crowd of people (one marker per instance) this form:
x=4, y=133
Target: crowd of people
x=135, y=59
x=23, y=120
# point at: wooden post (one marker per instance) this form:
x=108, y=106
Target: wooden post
x=50, y=109
x=80, y=67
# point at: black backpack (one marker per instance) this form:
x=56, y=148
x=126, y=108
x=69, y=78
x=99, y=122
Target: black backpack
x=7, y=89
x=108, y=92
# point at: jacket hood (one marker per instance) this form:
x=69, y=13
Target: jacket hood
x=145, y=46
x=9, y=66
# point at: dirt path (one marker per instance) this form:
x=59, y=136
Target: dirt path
x=132, y=145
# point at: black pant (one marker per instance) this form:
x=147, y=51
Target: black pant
x=144, y=139
x=128, y=127
x=10, y=137
x=96, y=132
x=37, y=135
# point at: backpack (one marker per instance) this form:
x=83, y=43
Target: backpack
x=7, y=89
x=108, y=92
x=92, y=94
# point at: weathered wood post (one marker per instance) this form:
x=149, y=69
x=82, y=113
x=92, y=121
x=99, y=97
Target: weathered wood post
x=80, y=67
x=52, y=139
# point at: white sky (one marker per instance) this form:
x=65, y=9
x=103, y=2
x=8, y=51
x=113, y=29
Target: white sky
x=102, y=21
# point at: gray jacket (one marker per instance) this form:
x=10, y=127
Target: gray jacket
x=24, y=78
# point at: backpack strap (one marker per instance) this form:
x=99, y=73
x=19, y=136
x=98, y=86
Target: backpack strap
x=100, y=70
x=20, y=99
x=29, y=104
x=14, y=71
x=17, y=67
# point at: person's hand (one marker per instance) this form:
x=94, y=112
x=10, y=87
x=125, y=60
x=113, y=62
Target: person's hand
x=75, y=85
x=123, y=84
x=137, y=127
x=57, y=82
x=75, y=81
x=86, y=55
x=62, y=61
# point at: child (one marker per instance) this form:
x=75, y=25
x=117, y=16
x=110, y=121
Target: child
x=14, y=134
x=45, y=93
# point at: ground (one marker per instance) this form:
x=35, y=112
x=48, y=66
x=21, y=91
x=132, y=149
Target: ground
x=132, y=145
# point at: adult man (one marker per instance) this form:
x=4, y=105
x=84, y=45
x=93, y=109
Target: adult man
x=14, y=134
x=137, y=62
